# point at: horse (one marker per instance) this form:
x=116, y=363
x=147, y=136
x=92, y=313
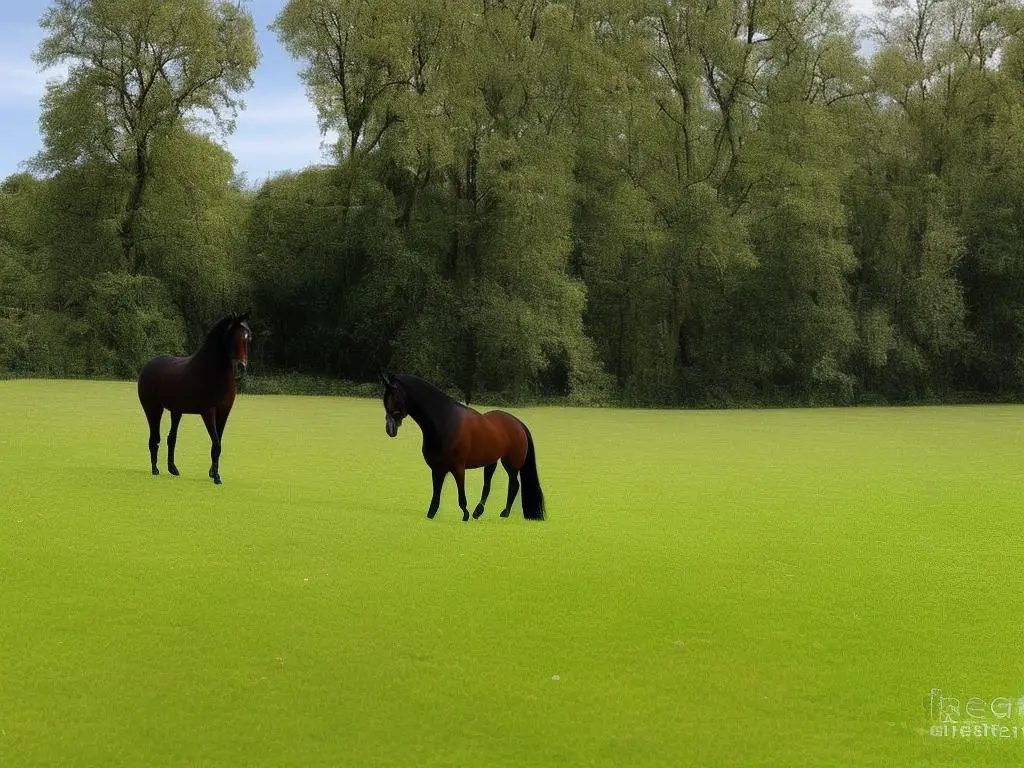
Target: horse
x=457, y=438
x=203, y=383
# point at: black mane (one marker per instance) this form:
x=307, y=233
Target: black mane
x=215, y=349
x=218, y=334
x=434, y=410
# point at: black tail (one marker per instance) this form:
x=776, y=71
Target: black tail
x=533, y=496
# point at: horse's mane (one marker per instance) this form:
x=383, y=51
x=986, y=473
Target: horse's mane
x=217, y=337
x=426, y=393
x=434, y=403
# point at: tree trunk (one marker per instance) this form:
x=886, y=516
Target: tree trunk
x=134, y=256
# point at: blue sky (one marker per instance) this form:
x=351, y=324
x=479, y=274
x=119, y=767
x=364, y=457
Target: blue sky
x=277, y=131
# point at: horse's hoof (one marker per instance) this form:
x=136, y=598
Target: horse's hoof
x=156, y=471
x=431, y=513
x=506, y=512
x=478, y=511
x=216, y=479
x=465, y=517
x=173, y=470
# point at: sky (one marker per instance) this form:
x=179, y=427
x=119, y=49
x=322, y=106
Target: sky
x=277, y=131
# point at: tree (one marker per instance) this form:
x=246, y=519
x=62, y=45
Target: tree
x=139, y=70
x=23, y=292
x=795, y=321
x=466, y=115
x=932, y=179
x=723, y=206
x=336, y=295
x=195, y=229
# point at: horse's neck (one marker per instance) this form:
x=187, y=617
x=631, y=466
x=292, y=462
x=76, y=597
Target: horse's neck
x=435, y=418
x=214, y=361
x=430, y=432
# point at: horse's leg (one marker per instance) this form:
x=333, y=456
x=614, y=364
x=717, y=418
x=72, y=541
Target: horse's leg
x=435, y=500
x=210, y=420
x=153, y=416
x=459, y=473
x=172, y=439
x=488, y=472
x=513, y=486
x=222, y=420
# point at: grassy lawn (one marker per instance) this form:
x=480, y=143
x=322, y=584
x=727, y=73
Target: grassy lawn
x=755, y=588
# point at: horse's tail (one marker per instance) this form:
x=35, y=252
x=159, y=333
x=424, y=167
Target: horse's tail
x=533, y=496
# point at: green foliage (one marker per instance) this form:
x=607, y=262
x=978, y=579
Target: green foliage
x=305, y=384
x=139, y=71
x=195, y=229
x=650, y=202
x=476, y=152
x=129, y=321
x=360, y=55
x=330, y=279
x=129, y=247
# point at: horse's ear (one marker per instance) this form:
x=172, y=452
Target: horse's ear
x=386, y=378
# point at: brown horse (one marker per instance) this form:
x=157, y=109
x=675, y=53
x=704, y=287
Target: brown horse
x=203, y=383
x=457, y=438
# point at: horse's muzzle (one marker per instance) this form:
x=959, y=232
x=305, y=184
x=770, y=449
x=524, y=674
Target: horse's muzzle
x=390, y=426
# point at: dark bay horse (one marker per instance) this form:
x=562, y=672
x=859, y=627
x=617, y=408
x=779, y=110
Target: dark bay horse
x=203, y=383
x=457, y=438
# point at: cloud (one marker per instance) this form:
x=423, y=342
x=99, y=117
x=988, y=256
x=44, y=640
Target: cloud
x=277, y=109
x=276, y=132
x=310, y=145
x=21, y=82
x=20, y=78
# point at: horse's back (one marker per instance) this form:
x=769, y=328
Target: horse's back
x=157, y=366
x=493, y=436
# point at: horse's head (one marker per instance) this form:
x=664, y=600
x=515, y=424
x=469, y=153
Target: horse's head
x=238, y=335
x=395, y=406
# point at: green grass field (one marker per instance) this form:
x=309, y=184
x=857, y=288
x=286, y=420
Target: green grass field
x=755, y=588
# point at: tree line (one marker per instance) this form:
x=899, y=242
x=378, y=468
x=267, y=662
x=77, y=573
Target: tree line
x=637, y=201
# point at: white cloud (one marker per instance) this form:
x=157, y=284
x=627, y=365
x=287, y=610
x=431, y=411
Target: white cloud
x=20, y=78
x=310, y=145
x=278, y=132
x=277, y=109
x=19, y=81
